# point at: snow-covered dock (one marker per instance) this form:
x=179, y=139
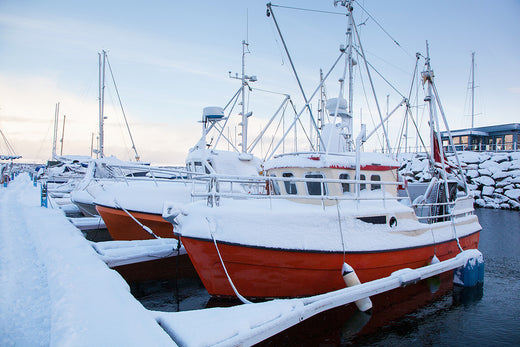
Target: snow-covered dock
x=56, y=290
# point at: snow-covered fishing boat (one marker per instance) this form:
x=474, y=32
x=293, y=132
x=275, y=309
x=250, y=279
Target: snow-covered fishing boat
x=104, y=174
x=325, y=209
x=135, y=212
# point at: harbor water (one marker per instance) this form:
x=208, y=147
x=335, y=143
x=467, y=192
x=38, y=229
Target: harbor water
x=432, y=312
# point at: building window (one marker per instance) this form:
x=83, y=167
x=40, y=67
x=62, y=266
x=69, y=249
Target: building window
x=375, y=178
x=499, y=141
x=315, y=188
x=345, y=187
x=508, y=142
x=290, y=186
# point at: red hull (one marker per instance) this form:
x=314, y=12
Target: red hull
x=263, y=272
x=122, y=227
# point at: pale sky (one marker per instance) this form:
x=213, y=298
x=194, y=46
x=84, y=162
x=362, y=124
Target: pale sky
x=171, y=59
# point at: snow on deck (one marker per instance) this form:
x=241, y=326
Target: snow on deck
x=145, y=196
x=320, y=160
x=117, y=253
x=291, y=225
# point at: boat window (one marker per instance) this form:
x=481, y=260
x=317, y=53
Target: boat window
x=375, y=178
x=362, y=185
x=198, y=167
x=345, y=187
x=290, y=186
x=315, y=188
x=275, y=186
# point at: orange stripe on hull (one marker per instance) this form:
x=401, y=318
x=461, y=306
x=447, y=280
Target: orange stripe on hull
x=262, y=272
x=122, y=227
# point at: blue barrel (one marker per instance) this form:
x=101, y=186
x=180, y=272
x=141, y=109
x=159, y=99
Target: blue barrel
x=470, y=274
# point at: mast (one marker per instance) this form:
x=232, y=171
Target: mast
x=472, y=90
x=427, y=76
x=62, y=135
x=55, y=137
x=91, y=144
x=350, y=61
x=245, y=79
x=101, y=144
x=244, y=116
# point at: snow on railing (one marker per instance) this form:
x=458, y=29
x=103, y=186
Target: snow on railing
x=266, y=187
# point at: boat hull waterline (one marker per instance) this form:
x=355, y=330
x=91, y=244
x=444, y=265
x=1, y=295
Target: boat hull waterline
x=259, y=272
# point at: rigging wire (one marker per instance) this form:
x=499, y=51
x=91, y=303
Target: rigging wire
x=399, y=138
x=308, y=10
x=10, y=149
x=381, y=27
x=122, y=110
x=377, y=72
x=368, y=105
x=267, y=152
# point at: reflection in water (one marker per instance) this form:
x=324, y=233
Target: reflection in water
x=398, y=312
x=467, y=295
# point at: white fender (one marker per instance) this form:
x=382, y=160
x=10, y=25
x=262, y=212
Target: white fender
x=351, y=279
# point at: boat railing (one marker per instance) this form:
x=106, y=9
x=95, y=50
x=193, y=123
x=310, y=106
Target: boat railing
x=268, y=187
x=141, y=173
x=434, y=212
x=215, y=187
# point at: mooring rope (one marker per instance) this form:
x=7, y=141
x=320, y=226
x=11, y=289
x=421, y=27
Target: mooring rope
x=147, y=229
x=455, y=231
x=340, y=229
x=239, y=296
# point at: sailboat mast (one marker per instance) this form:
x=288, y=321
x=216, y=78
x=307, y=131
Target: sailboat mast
x=55, y=137
x=101, y=144
x=472, y=90
x=62, y=134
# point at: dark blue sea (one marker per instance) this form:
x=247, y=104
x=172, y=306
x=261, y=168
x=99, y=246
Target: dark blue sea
x=430, y=313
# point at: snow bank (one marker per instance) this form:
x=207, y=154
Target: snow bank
x=494, y=178
x=55, y=289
